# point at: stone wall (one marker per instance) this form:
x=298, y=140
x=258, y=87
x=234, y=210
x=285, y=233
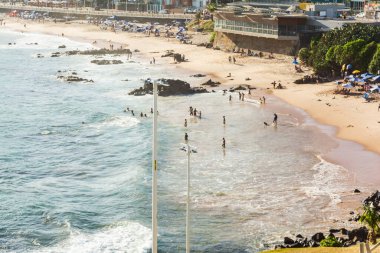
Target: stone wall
x=228, y=41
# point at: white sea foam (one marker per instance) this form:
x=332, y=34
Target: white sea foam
x=326, y=181
x=42, y=41
x=117, y=121
x=122, y=237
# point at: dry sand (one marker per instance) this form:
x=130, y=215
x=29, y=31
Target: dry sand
x=354, y=118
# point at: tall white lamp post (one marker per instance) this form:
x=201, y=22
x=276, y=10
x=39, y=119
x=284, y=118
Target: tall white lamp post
x=154, y=171
x=188, y=149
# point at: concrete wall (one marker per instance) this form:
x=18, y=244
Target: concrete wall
x=228, y=41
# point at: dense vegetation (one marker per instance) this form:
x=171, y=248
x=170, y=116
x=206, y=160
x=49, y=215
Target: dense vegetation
x=355, y=44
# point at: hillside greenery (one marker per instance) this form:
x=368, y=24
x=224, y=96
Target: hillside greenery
x=356, y=44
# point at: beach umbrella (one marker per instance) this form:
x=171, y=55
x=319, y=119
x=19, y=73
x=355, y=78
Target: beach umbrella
x=375, y=88
x=347, y=85
x=355, y=72
x=376, y=79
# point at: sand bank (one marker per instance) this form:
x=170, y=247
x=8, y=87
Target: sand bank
x=353, y=118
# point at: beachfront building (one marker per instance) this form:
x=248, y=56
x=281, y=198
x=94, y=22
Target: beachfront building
x=277, y=33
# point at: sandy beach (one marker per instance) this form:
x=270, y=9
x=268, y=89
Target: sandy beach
x=354, y=119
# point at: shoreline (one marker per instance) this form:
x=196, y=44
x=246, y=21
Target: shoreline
x=261, y=72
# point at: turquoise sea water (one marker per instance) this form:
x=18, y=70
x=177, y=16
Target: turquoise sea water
x=75, y=170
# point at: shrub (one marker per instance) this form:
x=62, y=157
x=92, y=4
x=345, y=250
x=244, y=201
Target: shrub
x=212, y=37
x=303, y=54
x=330, y=241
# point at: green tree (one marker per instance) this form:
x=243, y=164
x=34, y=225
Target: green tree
x=371, y=218
x=351, y=51
x=366, y=56
x=374, y=65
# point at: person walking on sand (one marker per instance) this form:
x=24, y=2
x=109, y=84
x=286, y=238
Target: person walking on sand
x=263, y=100
x=230, y=98
x=223, y=143
x=229, y=59
x=200, y=114
x=239, y=95
x=233, y=59
x=242, y=96
x=154, y=60
x=185, y=123
x=224, y=120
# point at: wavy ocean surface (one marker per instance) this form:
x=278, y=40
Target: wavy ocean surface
x=75, y=170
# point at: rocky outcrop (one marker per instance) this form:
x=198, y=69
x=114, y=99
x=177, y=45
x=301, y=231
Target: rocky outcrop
x=106, y=62
x=71, y=77
x=211, y=83
x=167, y=87
x=310, y=79
x=240, y=87
x=100, y=52
x=198, y=75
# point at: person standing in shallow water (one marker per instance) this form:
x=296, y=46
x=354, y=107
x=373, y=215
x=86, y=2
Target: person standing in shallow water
x=224, y=120
x=275, y=119
x=223, y=143
x=186, y=137
x=185, y=123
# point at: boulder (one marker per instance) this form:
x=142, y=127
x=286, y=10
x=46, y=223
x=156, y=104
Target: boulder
x=167, y=88
x=358, y=235
x=356, y=191
x=288, y=240
x=318, y=237
x=211, y=83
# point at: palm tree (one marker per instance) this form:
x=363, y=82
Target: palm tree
x=371, y=217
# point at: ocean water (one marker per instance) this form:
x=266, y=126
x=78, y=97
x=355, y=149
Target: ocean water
x=75, y=169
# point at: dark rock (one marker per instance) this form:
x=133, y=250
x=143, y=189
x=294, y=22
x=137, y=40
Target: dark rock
x=240, y=87
x=299, y=236
x=56, y=54
x=288, y=240
x=331, y=235
x=359, y=234
x=333, y=230
x=344, y=231
x=211, y=83
x=62, y=46
x=106, y=62
x=318, y=237
x=100, y=52
x=198, y=75
x=74, y=79
x=373, y=199
x=311, y=79
x=171, y=87
x=356, y=191
x=352, y=212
